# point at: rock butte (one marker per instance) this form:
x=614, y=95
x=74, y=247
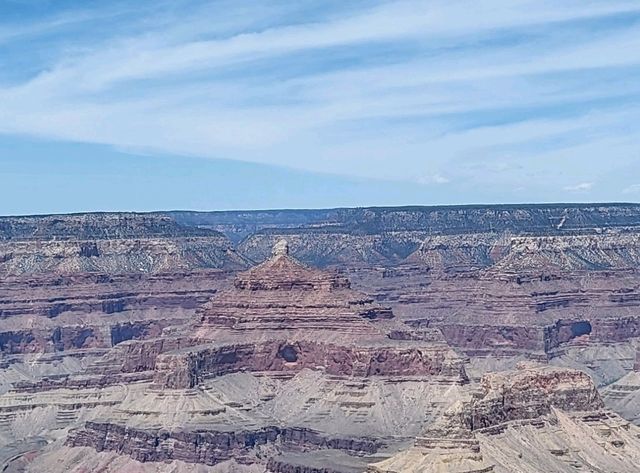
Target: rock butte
x=463, y=339
x=283, y=316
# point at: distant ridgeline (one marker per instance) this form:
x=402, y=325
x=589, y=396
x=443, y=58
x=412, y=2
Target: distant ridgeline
x=537, y=219
x=447, y=238
x=96, y=226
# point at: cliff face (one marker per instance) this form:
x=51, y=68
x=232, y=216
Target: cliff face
x=529, y=420
x=56, y=313
x=336, y=247
x=117, y=256
x=187, y=368
x=527, y=219
x=208, y=448
x=464, y=237
x=450, y=238
x=515, y=238
x=608, y=250
x=109, y=243
x=531, y=394
x=96, y=226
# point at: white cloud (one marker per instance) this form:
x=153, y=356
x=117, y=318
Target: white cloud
x=632, y=189
x=450, y=87
x=582, y=187
x=436, y=178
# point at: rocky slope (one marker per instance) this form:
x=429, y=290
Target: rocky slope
x=284, y=316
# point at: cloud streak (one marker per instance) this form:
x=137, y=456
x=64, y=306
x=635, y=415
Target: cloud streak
x=582, y=187
x=493, y=92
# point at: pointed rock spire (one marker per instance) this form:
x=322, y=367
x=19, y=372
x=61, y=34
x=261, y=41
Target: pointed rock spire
x=281, y=248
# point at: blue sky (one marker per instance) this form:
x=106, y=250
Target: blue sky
x=145, y=105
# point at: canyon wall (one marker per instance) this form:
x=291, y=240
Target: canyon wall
x=450, y=238
x=186, y=368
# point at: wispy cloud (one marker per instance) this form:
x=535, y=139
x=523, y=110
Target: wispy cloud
x=632, y=189
x=582, y=187
x=436, y=178
x=526, y=87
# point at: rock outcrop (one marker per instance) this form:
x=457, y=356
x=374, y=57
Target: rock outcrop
x=208, y=448
x=559, y=408
x=62, y=313
x=531, y=393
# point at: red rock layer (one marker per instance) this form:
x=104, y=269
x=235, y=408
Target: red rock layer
x=185, y=370
x=285, y=316
x=206, y=447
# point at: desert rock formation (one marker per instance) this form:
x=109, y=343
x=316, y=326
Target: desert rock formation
x=463, y=339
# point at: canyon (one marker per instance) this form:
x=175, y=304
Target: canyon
x=379, y=340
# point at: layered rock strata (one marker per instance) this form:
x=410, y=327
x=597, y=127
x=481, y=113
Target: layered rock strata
x=208, y=448
x=97, y=311
x=284, y=316
x=531, y=394
x=279, y=320
x=494, y=432
x=133, y=331
x=109, y=243
x=540, y=315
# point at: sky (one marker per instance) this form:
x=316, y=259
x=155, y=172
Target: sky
x=238, y=104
